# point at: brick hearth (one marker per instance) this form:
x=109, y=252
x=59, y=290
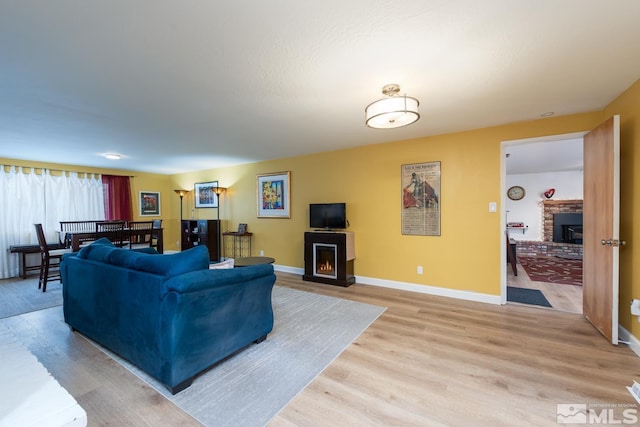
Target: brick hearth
x=547, y=247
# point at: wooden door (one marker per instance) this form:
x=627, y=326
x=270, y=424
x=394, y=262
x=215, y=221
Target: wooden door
x=601, y=224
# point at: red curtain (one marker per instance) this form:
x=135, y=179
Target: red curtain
x=117, y=197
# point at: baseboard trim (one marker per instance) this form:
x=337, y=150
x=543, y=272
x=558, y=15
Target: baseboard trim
x=411, y=287
x=431, y=290
x=634, y=343
x=287, y=269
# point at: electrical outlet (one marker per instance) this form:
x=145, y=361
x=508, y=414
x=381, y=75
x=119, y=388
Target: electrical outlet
x=177, y=243
x=261, y=252
x=419, y=269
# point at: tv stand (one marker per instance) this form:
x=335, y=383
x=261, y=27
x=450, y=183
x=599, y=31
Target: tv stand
x=328, y=257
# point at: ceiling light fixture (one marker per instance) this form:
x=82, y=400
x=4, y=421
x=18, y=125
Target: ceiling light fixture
x=113, y=156
x=547, y=114
x=393, y=111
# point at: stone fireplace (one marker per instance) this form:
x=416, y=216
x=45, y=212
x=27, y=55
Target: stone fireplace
x=550, y=208
x=569, y=244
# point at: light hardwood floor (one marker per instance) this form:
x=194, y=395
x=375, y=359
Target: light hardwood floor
x=426, y=361
x=561, y=297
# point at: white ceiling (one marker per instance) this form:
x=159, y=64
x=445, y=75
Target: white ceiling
x=546, y=156
x=177, y=86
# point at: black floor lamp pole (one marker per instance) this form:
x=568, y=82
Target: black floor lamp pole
x=181, y=193
x=218, y=191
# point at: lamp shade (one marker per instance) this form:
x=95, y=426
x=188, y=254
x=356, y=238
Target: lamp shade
x=392, y=112
x=219, y=190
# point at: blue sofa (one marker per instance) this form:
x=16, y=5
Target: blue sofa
x=169, y=315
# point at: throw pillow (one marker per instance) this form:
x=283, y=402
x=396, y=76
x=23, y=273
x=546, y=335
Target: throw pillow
x=196, y=258
x=98, y=250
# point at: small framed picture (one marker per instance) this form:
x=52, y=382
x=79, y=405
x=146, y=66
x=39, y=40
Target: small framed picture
x=204, y=194
x=274, y=195
x=242, y=228
x=149, y=203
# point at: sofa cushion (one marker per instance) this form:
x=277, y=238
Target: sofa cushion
x=98, y=250
x=124, y=258
x=196, y=258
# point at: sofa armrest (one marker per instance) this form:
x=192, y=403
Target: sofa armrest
x=196, y=281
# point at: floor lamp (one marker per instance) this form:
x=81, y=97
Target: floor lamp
x=181, y=193
x=219, y=191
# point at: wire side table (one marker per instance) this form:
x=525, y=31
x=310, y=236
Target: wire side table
x=238, y=245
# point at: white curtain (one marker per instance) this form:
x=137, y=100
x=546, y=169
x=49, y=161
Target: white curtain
x=30, y=198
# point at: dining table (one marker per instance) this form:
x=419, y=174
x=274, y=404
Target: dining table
x=77, y=237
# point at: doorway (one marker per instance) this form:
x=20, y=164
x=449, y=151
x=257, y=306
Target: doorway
x=545, y=176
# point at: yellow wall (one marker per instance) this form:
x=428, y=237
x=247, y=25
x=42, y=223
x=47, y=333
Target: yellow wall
x=467, y=254
x=627, y=106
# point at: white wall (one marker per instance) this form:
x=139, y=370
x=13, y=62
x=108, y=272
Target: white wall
x=568, y=186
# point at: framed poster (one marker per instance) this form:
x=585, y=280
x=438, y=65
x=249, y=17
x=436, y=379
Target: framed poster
x=421, y=199
x=149, y=203
x=274, y=195
x=204, y=195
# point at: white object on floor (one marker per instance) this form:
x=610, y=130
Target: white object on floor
x=227, y=263
x=30, y=396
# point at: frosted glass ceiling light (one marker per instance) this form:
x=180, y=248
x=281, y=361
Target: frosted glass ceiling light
x=393, y=111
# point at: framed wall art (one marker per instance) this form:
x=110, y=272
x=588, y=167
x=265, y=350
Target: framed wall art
x=149, y=203
x=204, y=195
x=421, y=199
x=274, y=195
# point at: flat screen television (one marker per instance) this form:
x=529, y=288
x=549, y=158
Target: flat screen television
x=328, y=216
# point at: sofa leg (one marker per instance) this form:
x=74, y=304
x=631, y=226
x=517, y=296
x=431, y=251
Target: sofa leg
x=259, y=340
x=178, y=388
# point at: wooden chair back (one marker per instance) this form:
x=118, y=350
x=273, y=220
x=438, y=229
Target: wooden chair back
x=112, y=230
x=140, y=234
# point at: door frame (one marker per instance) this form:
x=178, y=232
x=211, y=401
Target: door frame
x=503, y=198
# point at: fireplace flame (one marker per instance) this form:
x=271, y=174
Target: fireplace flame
x=326, y=267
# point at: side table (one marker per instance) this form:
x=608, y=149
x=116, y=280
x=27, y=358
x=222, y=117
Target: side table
x=253, y=260
x=239, y=243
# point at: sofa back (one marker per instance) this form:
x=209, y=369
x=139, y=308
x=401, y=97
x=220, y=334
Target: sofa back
x=148, y=259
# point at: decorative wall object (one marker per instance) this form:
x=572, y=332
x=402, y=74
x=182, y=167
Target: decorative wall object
x=205, y=195
x=421, y=199
x=274, y=195
x=149, y=203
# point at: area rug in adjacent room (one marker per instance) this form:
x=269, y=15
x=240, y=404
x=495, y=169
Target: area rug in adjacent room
x=250, y=388
x=18, y=296
x=527, y=296
x=548, y=269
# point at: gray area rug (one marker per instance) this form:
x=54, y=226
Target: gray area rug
x=250, y=388
x=19, y=296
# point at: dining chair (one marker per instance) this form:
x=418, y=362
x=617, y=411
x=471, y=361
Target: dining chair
x=50, y=257
x=112, y=230
x=140, y=234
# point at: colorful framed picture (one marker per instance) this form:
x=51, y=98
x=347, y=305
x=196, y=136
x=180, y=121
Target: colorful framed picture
x=204, y=195
x=149, y=203
x=274, y=195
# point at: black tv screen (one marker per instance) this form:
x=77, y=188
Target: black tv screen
x=328, y=216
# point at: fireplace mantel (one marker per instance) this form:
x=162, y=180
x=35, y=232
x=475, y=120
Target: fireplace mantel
x=316, y=246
